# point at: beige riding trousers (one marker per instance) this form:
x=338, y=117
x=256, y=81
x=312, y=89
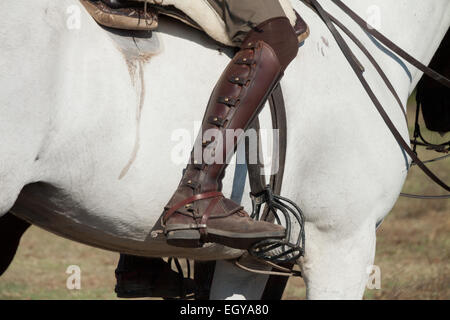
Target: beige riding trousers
x=240, y=16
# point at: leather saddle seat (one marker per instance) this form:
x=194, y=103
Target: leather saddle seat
x=137, y=15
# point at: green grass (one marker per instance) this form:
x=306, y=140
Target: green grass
x=39, y=269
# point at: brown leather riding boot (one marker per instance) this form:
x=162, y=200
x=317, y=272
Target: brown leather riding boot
x=198, y=212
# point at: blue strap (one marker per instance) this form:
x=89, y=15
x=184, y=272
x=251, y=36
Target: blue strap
x=240, y=175
x=391, y=54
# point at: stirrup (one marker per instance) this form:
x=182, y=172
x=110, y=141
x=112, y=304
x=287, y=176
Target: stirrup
x=278, y=250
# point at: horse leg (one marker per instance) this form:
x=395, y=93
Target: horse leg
x=336, y=263
x=11, y=230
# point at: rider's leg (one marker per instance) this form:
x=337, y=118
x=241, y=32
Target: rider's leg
x=198, y=212
x=241, y=16
x=237, y=32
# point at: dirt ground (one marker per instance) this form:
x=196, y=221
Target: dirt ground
x=413, y=253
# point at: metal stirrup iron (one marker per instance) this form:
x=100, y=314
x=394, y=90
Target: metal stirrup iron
x=279, y=250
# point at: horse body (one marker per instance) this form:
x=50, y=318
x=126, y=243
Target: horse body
x=93, y=134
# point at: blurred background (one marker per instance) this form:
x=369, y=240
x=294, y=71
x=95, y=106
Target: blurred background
x=413, y=251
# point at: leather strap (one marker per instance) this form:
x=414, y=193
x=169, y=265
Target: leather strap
x=277, y=282
x=206, y=215
x=279, y=122
x=200, y=196
x=373, y=62
x=348, y=54
x=388, y=43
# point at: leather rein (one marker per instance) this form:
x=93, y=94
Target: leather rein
x=331, y=21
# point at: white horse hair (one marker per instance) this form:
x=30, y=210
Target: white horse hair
x=87, y=136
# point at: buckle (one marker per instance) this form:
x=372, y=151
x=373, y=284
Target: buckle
x=245, y=61
x=217, y=121
x=249, y=45
x=238, y=80
x=199, y=166
x=191, y=184
x=229, y=101
x=258, y=199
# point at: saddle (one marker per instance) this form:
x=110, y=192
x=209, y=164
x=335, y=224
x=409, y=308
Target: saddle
x=140, y=16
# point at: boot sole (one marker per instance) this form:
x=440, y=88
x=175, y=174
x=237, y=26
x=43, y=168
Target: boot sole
x=184, y=238
x=192, y=239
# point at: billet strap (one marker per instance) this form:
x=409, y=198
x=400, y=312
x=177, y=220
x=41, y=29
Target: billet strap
x=200, y=196
x=348, y=54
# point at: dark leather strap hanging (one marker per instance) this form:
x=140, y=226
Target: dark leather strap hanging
x=359, y=73
x=389, y=44
x=276, y=284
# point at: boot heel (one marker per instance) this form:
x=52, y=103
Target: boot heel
x=184, y=238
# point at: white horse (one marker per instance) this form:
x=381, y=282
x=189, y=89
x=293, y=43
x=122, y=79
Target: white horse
x=88, y=138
